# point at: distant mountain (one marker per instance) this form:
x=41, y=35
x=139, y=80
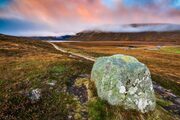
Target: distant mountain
x=133, y=32
x=65, y=37
x=136, y=28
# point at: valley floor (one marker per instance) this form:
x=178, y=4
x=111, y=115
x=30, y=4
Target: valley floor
x=63, y=81
x=163, y=61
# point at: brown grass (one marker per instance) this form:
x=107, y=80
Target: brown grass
x=165, y=65
x=27, y=65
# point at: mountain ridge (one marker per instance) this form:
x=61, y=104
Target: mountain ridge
x=140, y=32
x=142, y=36
x=151, y=27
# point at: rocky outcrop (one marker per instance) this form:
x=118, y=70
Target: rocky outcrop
x=123, y=80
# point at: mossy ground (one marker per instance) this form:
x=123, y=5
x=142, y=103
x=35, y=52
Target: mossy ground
x=29, y=65
x=171, y=49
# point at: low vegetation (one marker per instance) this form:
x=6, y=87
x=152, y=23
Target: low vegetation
x=163, y=62
x=26, y=65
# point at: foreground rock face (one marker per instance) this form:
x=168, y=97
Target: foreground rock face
x=123, y=80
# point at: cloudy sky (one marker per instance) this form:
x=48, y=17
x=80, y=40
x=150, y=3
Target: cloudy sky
x=58, y=17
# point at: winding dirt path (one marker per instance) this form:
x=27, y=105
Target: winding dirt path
x=72, y=53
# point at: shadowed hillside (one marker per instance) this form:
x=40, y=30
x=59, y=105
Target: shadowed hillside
x=173, y=37
x=23, y=45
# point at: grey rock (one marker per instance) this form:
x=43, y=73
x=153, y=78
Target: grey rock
x=123, y=80
x=35, y=95
x=177, y=100
x=69, y=117
x=52, y=83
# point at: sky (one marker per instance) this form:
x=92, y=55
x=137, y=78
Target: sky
x=59, y=17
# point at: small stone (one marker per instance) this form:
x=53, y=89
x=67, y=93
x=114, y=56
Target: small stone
x=52, y=83
x=69, y=117
x=158, y=47
x=35, y=95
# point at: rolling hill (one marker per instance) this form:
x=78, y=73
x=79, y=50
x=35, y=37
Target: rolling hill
x=133, y=32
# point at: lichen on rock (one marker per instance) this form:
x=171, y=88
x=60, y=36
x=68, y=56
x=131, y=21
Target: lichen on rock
x=123, y=80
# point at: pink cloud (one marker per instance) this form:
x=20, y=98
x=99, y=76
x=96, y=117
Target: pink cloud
x=76, y=15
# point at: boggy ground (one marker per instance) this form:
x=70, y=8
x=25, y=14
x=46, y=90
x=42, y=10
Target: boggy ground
x=27, y=65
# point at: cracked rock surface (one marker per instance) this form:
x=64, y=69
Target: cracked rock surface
x=123, y=80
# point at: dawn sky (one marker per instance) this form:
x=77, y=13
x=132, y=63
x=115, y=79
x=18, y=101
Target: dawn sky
x=58, y=17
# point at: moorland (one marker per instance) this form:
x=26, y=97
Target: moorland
x=27, y=64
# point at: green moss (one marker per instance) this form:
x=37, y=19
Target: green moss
x=175, y=50
x=100, y=110
x=163, y=103
x=1, y=82
x=58, y=69
x=97, y=110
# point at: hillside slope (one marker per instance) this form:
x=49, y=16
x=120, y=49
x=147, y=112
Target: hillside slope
x=173, y=37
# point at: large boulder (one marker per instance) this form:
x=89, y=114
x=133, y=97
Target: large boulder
x=123, y=80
